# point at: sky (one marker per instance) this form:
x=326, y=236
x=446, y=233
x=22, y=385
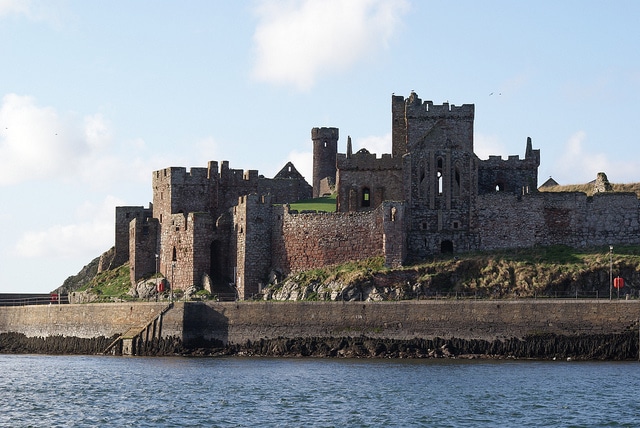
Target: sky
x=96, y=95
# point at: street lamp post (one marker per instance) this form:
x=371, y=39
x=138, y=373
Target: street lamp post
x=610, y=272
x=173, y=266
x=157, y=291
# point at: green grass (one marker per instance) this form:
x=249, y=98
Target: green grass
x=324, y=204
x=346, y=272
x=110, y=284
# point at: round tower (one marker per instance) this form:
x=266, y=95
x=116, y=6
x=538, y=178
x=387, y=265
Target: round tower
x=325, y=152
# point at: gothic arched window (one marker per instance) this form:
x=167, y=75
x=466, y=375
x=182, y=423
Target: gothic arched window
x=439, y=175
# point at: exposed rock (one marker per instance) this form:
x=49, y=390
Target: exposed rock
x=622, y=346
x=484, y=277
x=82, y=297
x=602, y=183
x=147, y=289
x=18, y=343
x=206, y=283
x=106, y=260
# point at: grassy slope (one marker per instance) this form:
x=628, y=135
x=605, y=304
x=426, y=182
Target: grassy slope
x=110, y=285
x=547, y=271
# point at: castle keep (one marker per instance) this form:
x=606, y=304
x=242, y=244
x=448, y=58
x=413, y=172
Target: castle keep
x=430, y=195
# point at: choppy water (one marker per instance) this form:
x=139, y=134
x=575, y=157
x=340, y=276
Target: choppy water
x=79, y=391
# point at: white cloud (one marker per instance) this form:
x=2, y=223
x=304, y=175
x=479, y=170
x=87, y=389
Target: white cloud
x=90, y=236
x=97, y=133
x=487, y=145
x=49, y=11
x=303, y=161
x=582, y=166
x=374, y=144
x=14, y=7
x=39, y=143
x=210, y=149
x=297, y=41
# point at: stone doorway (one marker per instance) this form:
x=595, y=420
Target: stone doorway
x=446, y=247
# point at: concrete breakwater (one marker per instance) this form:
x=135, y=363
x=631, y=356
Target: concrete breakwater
x=594, y=329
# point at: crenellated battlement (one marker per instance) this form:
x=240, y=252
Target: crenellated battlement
x=254, y=199
x=417, y=123
x=363, y=160
x=179, y=174
x=325, y=133
x=415, y=107
x=509, y=175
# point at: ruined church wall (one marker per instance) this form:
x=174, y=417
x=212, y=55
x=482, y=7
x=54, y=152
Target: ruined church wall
x=284, y=190
x=381, y=176
x=303, y=241
x=512, y=175
x=573, y=219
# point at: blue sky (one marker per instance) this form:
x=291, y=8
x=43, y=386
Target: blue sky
x=96, y=95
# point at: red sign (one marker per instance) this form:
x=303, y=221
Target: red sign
x=618, y=282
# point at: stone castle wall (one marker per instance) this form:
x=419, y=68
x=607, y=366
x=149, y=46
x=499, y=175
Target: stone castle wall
x=252, y=220
x=184, y=254
x=573, y=219
x=143, y=246
x=124, y=216
x=308, y=240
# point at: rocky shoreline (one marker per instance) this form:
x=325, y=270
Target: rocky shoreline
x=612, y=347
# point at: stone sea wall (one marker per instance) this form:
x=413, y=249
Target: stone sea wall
x=586, y=329
x=464, y=319
x=87, y=321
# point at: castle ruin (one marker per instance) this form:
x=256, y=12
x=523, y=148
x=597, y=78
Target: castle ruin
x=430, y=195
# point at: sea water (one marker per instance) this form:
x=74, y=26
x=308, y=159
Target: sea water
x=89, y=391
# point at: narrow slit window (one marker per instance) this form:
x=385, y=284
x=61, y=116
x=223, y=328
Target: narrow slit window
x=366, y=197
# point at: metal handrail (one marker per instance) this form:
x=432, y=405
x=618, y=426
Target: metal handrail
x=33, y=299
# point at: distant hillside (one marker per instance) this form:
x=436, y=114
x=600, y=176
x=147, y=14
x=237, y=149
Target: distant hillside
x=86, y=274
x=589, y=188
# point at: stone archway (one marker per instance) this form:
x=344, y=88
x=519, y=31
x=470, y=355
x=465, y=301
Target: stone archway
x=446, y=247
